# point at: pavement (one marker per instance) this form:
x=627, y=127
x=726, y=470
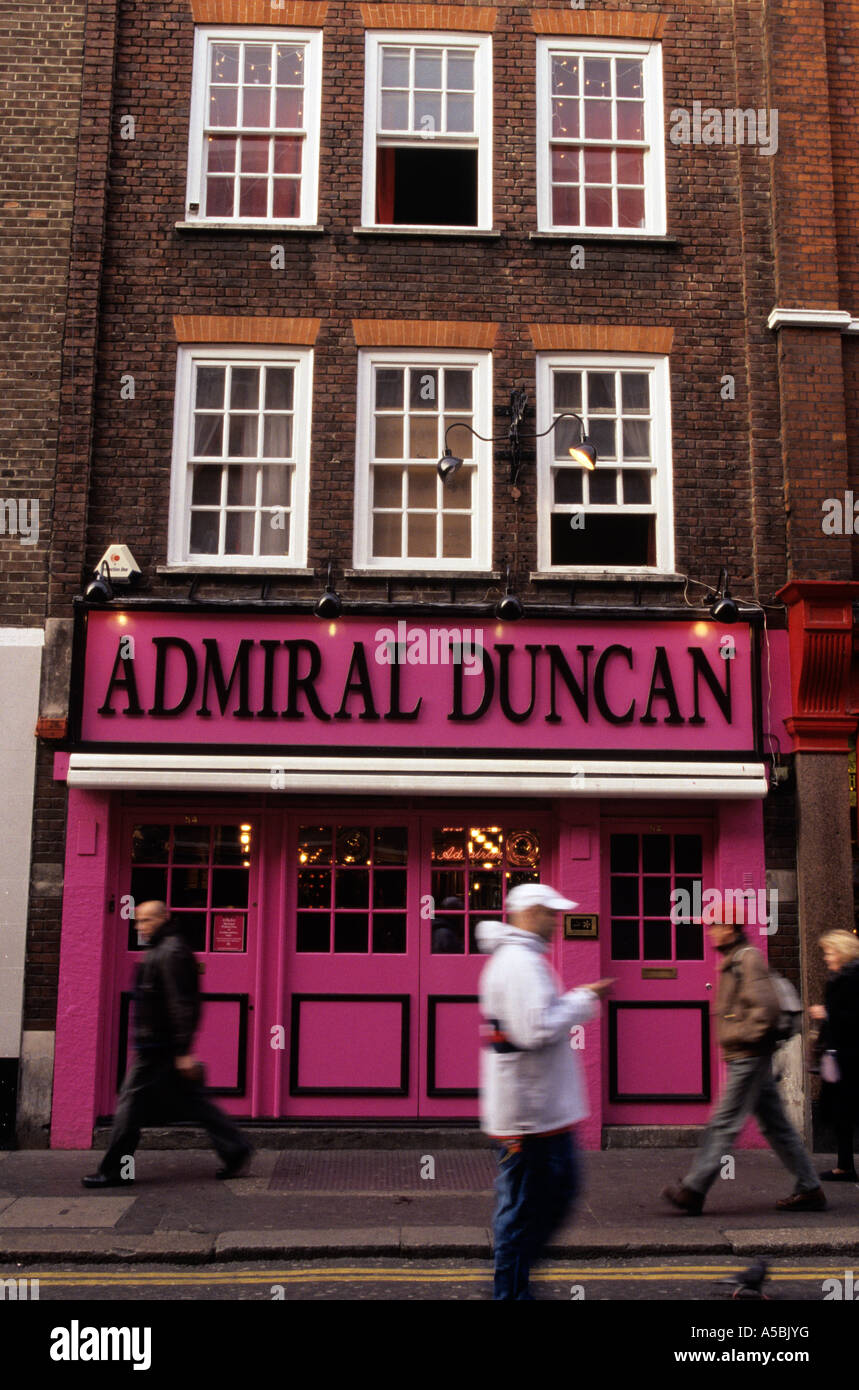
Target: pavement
x=420, y=1203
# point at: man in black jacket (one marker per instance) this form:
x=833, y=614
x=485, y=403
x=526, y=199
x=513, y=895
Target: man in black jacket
x=165, y=1074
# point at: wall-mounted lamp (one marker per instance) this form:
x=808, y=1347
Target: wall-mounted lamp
x=582, y=453
x=509, y=608
x=722, y=606
x=330, y=604
x=100, y=590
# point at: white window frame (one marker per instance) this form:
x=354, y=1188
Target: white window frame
x=178, y=546
x=662, y=494
x=204, y=36
x=481, y=44
x=654, y=132
x=481, y=361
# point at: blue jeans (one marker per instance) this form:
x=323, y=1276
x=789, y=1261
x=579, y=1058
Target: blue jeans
x=751, y=1090
x=535, y=1188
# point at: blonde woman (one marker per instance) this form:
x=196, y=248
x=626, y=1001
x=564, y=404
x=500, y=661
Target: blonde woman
x=839, y=1041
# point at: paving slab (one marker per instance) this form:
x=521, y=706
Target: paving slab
x=379, y=1240
x=789, y=1240
x=54, y=1212
x=83, y=1247
x=446, y=1240
x=639, y=1241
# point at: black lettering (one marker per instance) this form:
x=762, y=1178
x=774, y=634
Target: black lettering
x=223, y=688
x=394, y=711
x=361, y=686
x=578, y=691
x=269, y=646
x=487, y=671
x=599, y=685
x=665, y=691
x=162, y=646
x=504, y=649
x=128, y=683
x=304, y=683
x=702, y=667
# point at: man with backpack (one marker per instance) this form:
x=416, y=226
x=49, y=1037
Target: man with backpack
x=748, y=1008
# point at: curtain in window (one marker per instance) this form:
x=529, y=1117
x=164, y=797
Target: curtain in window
x=385, y=161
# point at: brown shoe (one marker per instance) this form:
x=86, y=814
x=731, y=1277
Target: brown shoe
x=803, y=1201
x=692, y=1203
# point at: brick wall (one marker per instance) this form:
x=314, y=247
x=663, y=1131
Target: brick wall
x=39, y=109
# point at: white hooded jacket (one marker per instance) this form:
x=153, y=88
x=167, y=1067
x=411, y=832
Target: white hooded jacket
x=540, y=1088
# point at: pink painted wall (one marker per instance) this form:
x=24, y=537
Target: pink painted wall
x=82, y=1009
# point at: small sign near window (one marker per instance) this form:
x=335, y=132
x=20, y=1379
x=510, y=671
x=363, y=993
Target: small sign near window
x=578, y=928
x=228, y=931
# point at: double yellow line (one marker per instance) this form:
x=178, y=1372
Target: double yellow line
x=316, y=1274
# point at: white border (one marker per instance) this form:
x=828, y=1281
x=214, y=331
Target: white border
x=302, y=360
x=654, y=132
x=482, y=46
x=660, y=444
x=204, y=34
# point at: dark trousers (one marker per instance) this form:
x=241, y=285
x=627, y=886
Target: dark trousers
x=536, y=1186
x=841, y=1107
x=154, y=1090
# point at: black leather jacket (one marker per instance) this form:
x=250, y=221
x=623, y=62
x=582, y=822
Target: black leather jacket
x=841, y=1029
x=166, y=995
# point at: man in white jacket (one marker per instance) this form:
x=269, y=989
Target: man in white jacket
x=531, y=1089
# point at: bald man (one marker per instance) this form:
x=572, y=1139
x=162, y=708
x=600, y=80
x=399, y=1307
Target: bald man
x=165, y=1075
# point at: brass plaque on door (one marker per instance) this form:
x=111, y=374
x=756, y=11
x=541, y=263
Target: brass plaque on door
x=659, y=972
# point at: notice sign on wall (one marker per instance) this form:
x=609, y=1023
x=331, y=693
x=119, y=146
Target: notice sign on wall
x=228, y=931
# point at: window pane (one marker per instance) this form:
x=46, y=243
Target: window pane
x=389, y=933
x=602, y=435
x=598, y=121
x=459, y=441
x=428, y=68
x=287, y=198
x=457, y=390
x=289, y=109
x=389, y=436
x=624, y=941
x=568, y=485
x=624, y=854
x=565, y=205
x=624, y=897
x=565, y=119
x=313, y=931
x=208, y=435
x=387, y=534
x=204, y=533
x=656, y=896
x=351, y=931
x=220, y=197
x=395, y=68
x=352, y=845
x=456, y=537
x=630, y=166
x=600, y=391
x=223, y=106
x=389, y=388
x=314, y=888
x=221, y=157
x=225, y=62
x=254, y=155
x=598, y=209
x=148, y=885
x=274, y=533
x=635, y=392
x=257, y=64
x=428, y=111
x=448, y=846
x=395, y=111
x=206, y=487
x=290, y=66
x=565, y=164
x=629, y=77
x=456, y=492
x=253, y=198
x=277, y=437
x=243, y=436
x=597, y=166
x=597, y=73
x=389, y=888
x=460, y=72
x=256, y=106
x=189, y=887
x=314, y=844
x=287, y=156
x=636, y=487
x=423, y=389
x=688, y=854
x=460, y=113
x=656, y=855
x=210, y=387
x=630, y=120
x=352, y=888
x=421, y=533
x=565, y=76
x=229, y=887
x=602, y=487
x=689, y=941
x=423, y=487
x=239, y=539
x=279, y=382
x=568, y=391
x=657, y=941
x=630, y=207
x=636, y=439
x=423, y=437
x=390, y=845
x=241, y=487
x=149, y=844
x=448, y=934
x=388, y=487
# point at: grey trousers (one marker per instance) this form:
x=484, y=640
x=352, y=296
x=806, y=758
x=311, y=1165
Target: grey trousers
x=751, y=1090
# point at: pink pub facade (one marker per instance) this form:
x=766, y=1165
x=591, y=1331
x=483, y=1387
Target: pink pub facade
x=329, y=808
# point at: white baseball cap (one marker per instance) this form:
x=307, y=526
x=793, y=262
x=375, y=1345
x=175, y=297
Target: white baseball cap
x=526, y=895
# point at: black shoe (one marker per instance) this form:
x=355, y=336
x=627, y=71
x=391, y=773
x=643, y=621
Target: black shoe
x=233, y=1168
x=106, y=1180
x=833, y=1175
x=692, y=1203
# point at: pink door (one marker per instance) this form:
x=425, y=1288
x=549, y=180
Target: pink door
x=660, y=1049
x=382, y=967
x=469, y=863
x=205, y=867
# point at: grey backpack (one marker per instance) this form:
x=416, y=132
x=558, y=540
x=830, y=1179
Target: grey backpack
x=789, y=1021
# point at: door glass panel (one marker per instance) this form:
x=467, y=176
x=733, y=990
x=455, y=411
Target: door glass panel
x=314, y=844
x=644, y=872
x=657, y=941
x=350, y=931
x=352, y=888
x=624, y=940
x=195, y=869
x=624, y=896
x=624, y=854
x=389, y=933
x=191, y=844
x=389, y=888
x=690, y=941
x=656, y=854
x=657, y=897
x=149, y=844
x=313, y=931
x=391, y=845
x=688, y=850
x=355, y=899
x=489, y=860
